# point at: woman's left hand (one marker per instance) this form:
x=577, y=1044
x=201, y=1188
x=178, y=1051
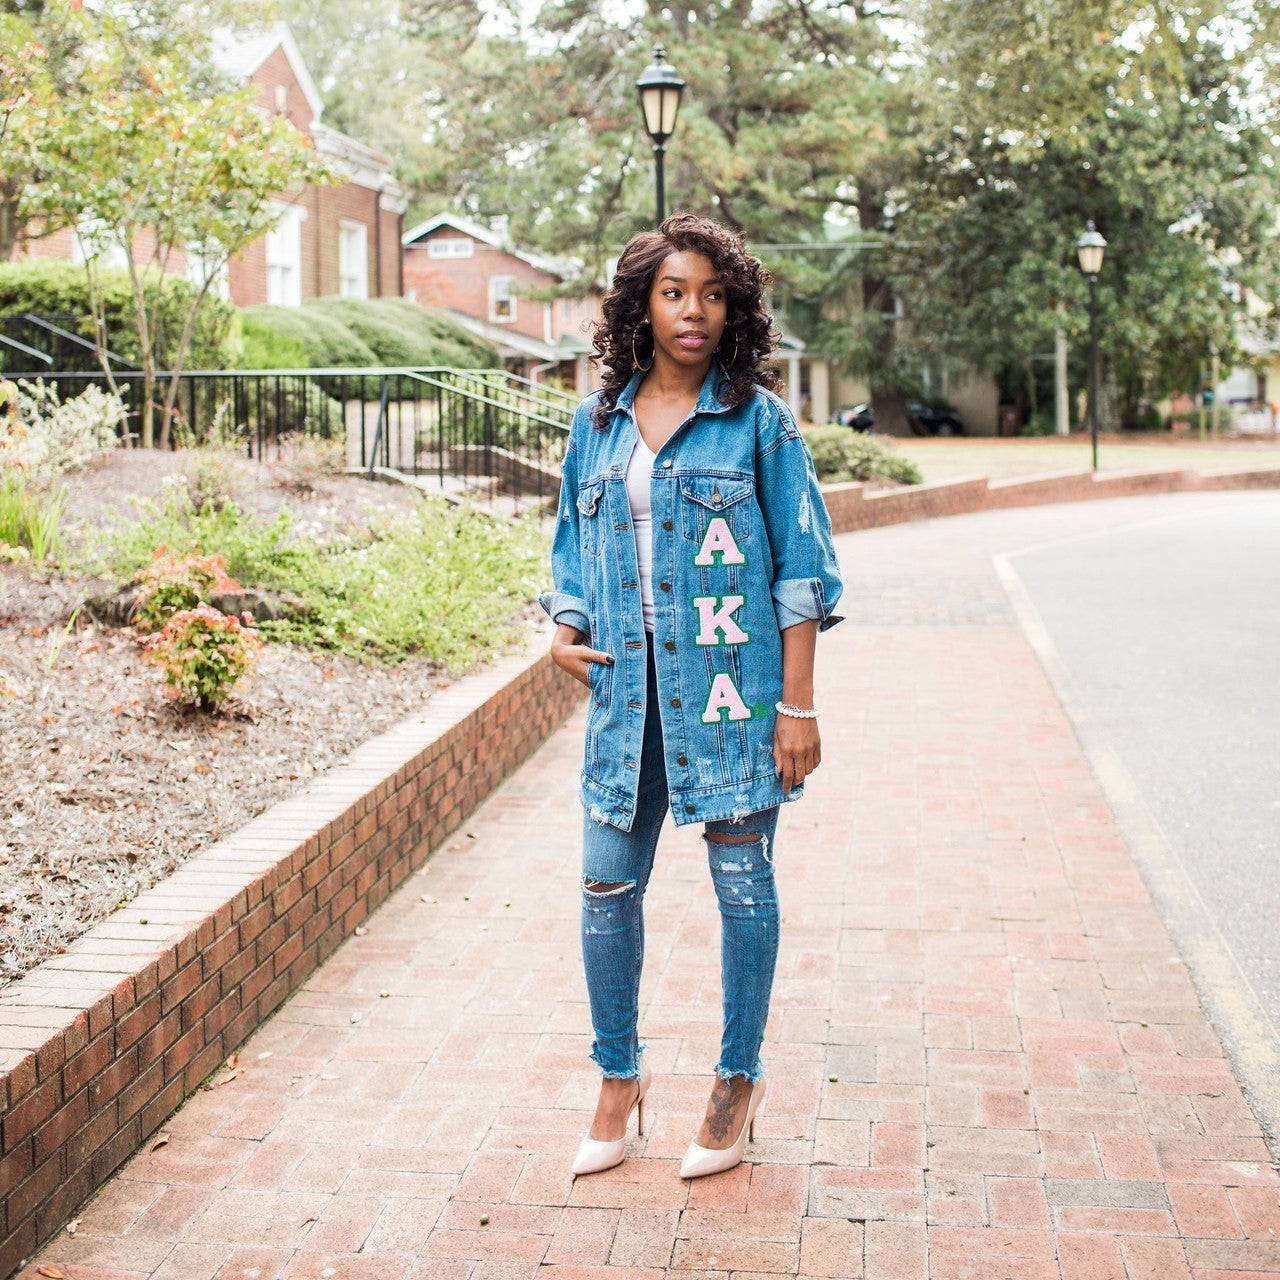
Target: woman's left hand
x=797, y=749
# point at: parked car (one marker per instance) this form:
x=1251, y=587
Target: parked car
x=924, y=420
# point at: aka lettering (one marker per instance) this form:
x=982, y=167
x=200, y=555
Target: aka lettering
x=716, y=623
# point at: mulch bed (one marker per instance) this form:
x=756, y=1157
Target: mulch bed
x=105, y=787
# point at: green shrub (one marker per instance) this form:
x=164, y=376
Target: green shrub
x=840, y=454
x=46, y=435
x=338, y=333
x=172, y=583
x=204, y=654
x=1044, y=422
x=327, y=341
x=445, y=582
x=31, y=515
x=268, y=346
x=256, y=551
x=50, y=288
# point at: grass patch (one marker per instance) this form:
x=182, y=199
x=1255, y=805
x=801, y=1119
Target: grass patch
x=445, y=583
x=31, y=516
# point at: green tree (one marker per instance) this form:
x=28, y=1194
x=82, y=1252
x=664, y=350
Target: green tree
x=38, y=54
x=1152, y=121
x=154, y=161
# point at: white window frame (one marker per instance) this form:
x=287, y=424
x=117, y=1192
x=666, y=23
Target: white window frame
x=284, y=257
x=502, y=300
x=353, y=259
x=111, y=254
x=451, y=247
x=198, y=272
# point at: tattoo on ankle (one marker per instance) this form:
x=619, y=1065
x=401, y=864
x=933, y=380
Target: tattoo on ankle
x=721, y=1115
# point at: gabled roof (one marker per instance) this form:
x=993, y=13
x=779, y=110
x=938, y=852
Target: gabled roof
x=240, y=54
x=456, y=222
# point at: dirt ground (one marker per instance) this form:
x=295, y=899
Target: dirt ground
x=104, y=786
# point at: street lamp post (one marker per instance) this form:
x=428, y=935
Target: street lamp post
x=1090, y=247
x=659, y=89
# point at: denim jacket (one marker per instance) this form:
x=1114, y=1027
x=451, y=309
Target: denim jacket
x=741, y=550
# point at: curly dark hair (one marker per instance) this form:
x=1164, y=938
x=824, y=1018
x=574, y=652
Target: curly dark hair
x=749, y=336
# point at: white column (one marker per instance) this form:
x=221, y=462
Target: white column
x=793, y=383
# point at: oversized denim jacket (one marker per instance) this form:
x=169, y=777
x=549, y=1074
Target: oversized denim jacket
x=741, y=550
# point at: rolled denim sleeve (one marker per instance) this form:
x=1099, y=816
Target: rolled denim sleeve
x=806, y=575
x=565, y=602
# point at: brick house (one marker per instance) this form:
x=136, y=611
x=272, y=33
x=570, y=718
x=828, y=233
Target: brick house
x=489, y=287
x=342, y=239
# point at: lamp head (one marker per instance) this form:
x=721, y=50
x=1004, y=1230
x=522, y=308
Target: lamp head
x=1090, y=247
x=659, y=89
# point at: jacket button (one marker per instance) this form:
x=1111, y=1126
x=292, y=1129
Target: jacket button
x=682, y=759
x=669, y=645
x=666, y=586
x=675, y=702
x=666, y=524
x=667, y=464
x=691, y=808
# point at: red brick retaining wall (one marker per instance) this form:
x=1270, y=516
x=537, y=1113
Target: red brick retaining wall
x=853, y=506
x=98, y=1046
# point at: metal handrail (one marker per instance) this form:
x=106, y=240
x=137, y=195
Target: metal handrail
x=26, y=350
x=42, y=323
x=483, y=399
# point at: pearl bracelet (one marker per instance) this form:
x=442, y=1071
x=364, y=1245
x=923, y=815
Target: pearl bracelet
x=797, y=713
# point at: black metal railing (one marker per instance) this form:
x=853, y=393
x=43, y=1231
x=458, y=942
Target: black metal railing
x=476, y=432
x=51, y=342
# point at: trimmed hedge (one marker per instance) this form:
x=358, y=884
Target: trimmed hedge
x=841, y=454
x=52, y=288
x=358, y=332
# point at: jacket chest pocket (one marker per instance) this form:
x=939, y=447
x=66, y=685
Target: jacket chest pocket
x=706, y=499
x=590, y=517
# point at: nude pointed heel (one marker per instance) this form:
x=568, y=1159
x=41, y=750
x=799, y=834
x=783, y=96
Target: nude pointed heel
x=595, y=1156
x=700, y=1161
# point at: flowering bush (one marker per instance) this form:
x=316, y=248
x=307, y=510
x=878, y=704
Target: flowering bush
x=171, y=583
x=204, y=654
x=44, y=435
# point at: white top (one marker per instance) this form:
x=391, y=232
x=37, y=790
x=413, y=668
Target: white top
x=639, y=474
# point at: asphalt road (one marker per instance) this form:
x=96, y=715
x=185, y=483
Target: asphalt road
x=1163, y=639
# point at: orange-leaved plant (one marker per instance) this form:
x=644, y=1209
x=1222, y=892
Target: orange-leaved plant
x=171, y=583
x=204, y=654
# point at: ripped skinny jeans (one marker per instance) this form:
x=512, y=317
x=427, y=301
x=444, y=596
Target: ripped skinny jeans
x=617, y=865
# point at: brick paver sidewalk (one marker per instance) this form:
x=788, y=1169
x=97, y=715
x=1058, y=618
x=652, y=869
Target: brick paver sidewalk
x=987, y=1060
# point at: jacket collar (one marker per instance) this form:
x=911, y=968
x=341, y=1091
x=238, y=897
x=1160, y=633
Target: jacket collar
x=708, y=398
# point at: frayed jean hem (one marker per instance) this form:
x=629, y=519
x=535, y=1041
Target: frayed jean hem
x=632, y=1073
x=751, y=1077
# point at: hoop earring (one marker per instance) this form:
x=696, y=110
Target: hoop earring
x=728, y=364
x=635, y=360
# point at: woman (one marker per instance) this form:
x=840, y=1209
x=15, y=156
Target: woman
x=693, y=568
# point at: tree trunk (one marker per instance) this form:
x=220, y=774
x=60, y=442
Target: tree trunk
x=8, y=224
x=888, y=404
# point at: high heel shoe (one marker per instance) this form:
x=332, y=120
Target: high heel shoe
x=595, y=1156
x=700, y=1161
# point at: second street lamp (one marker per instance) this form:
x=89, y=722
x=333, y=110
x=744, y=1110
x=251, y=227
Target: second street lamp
x=659, y=89
x=1090, y=247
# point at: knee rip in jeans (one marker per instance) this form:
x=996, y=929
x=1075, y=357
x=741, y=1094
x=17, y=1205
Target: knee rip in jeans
x=753, y=837
x=606, y=888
